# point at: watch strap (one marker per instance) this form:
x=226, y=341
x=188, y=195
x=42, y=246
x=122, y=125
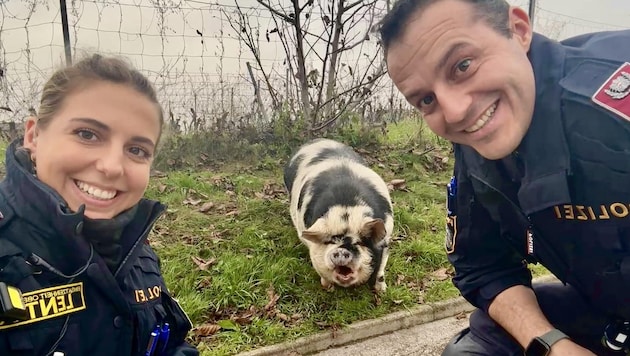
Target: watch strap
x=553, y=336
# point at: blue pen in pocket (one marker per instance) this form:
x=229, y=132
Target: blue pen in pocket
x=164, y=335
x=451, y=197
x=153, y=339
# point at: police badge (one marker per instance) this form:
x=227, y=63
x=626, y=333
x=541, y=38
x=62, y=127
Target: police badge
x=451, y=234
x=620, y=86
x=613, y=95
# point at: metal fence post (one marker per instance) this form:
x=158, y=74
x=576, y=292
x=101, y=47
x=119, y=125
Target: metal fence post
x=532, y=11
x=66, y=34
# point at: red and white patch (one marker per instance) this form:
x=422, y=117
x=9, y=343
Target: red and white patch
x=614, y=94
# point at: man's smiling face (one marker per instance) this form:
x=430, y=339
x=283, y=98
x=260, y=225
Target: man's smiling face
x=473, y=85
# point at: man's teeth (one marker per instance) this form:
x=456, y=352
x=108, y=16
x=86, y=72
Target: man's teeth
x=483, y=120
x=96, y=192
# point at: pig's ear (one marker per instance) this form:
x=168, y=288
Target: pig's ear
x=374, y=229
x=313, y=236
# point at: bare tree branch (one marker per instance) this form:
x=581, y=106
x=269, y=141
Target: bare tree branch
x=276, y=12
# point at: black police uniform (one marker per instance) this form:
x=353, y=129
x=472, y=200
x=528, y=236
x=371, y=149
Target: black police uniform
x=96, y=309
x=562, y=199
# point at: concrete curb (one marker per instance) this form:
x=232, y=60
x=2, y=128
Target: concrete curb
x=374, y=327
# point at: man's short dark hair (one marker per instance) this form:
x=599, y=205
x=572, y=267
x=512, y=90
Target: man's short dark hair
x=494, y=12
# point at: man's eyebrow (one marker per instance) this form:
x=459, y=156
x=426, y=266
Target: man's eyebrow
x=452, y=49
x=102, y=126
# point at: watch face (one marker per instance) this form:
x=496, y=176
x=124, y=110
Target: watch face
x=537, y=348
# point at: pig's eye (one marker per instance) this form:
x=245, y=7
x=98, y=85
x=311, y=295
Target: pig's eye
x=337, y=238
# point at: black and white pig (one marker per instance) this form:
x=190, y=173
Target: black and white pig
x=342, y=212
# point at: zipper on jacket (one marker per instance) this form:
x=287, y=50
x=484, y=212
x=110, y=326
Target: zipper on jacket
x=140, y=240
x=530, y=229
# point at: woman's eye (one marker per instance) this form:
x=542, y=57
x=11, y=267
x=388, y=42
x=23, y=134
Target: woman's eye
x=137, y=151
x=463, y=65
x=86, y=135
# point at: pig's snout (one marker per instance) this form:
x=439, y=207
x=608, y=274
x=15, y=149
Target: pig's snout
x=341, y=257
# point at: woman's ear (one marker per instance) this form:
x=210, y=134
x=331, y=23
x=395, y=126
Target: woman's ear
x=30, y=134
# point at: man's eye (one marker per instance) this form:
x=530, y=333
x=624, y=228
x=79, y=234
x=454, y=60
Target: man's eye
x=463, y=65
x=427, y=101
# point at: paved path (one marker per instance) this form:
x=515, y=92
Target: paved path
x=422, y=340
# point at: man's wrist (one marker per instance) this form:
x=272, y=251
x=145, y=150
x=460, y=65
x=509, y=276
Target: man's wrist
x=541, y=345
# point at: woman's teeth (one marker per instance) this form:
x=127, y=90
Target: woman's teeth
x=483, y=120
x=96, y=192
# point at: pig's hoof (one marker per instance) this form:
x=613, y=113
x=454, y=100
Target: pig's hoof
x=380, y=287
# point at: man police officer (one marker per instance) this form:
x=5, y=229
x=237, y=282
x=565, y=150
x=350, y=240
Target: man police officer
x=541, y=134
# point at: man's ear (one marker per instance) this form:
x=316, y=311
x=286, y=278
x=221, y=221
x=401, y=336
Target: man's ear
x=520, y=26
x=30, y=134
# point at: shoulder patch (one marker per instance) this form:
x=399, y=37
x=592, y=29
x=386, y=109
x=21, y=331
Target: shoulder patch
x=50, y=303
x=614, y=94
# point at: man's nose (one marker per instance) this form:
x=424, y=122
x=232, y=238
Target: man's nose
x=454, y=102
x=111, y=162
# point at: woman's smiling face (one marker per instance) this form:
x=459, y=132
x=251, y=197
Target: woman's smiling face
x=97, y=149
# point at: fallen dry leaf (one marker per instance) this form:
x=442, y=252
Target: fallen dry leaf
x=193, y=202
x=377, y=299
x=194, y=192
x=441, y=274
x=246, y=318
x=207, y=329
x=203, y=264
x=156, y=173
x=273, y=299
x=461, y=316
x=161, y=188
x=204, y=283
x=399, y=279
x=398, y=184
x=297, y=316
x=206, y=207
x=282, y=316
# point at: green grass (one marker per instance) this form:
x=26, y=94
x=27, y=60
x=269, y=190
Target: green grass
x=258, y=257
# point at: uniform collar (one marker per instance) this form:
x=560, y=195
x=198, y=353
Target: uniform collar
x=544, y=150
x=50, y=210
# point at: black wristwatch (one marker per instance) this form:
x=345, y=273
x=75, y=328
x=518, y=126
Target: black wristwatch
x=541, y=345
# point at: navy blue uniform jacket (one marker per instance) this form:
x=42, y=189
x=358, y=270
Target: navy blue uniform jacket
x=98, y=312
x=563, y=198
